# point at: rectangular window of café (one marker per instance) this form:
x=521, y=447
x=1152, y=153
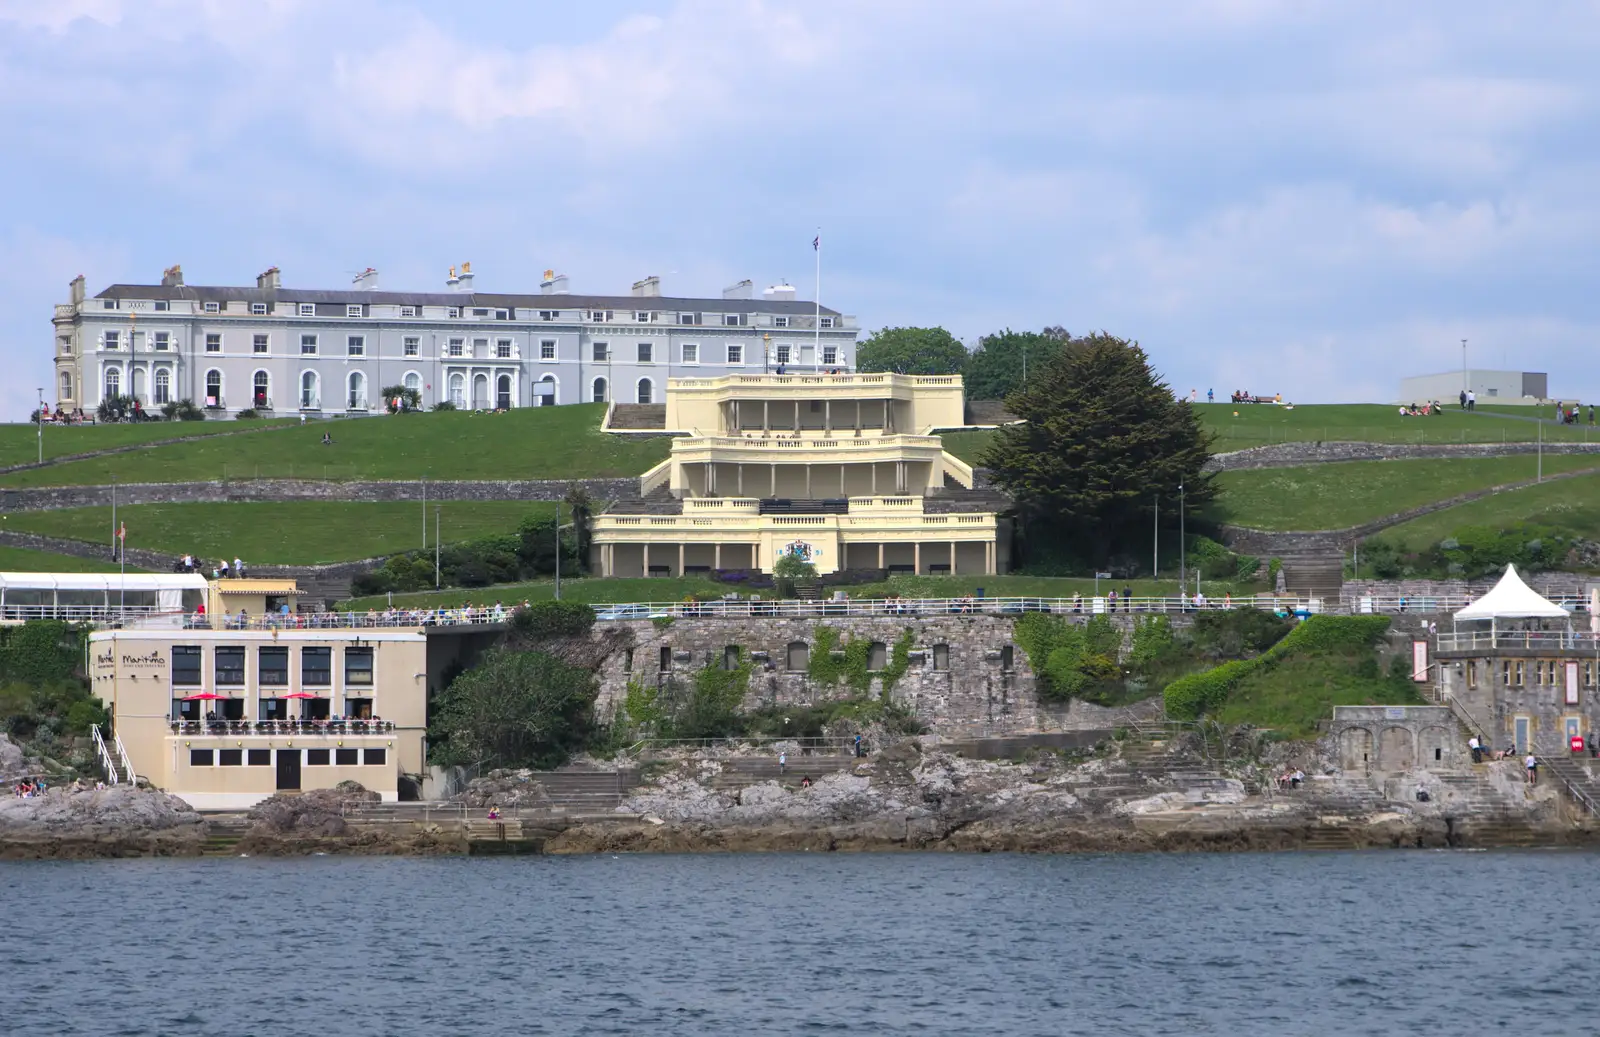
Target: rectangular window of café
x=259, y=757
x=273, y=666
x=316, y=667
x=230, y=665
x=200, y=757
x=317, y=757
x=230, y=757
x=374, y=757
x=186, y=666
x=346, y=757
x=358, y=666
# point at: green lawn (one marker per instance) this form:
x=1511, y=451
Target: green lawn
x=528, y=443
x=1292, y=697
x=1245, y=425
x=19, y=443
x=613, y=590
x=1333, y=496
x=1571, y=506
x=22, y=560
x=288, y=533
x=969, y=446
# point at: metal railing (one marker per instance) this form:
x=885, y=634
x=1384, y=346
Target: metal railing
x=127, y=763
x=270, y=728
x=1395, y=603
x=1485, y=640
x=1552, y=766
x=104, y=754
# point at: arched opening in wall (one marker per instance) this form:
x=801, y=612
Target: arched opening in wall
x=599, y=390
x=502, y=393
x=645, y=391
x=163, y=386
x=358, y=391
x=113, y=382
x=941, y=657
x=1355, y=749
x=458, y=390
x=413, y=381
x=1007, y=659
x=480, y=392
x=798, y=658
x=310, y=391
x=730, y=657
x=261, y=394
x=666, y=658
x=1397, y=749
x=214, y=388
x=877, y=656
x=546, y=391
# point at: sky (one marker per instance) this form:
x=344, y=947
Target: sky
x=1312, y=197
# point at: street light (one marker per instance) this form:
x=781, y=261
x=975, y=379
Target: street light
x=1183, y=548
x=39, y=414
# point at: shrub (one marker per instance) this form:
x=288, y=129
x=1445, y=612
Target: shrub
x=1235, y=633
x=410, y=399
x=247, y=414
x=183, y=410
x=443, y=405
x=553, y=619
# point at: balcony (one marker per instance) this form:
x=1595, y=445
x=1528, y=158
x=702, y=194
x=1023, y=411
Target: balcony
x=281, y=728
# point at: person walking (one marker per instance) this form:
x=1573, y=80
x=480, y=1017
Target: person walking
x=1531, y=765
x=783, y=763
x=1477, y=749
x=1472, y=400
x=1463, y=399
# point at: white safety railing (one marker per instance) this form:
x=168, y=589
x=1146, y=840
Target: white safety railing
x=1486, y=640
x=104, y=755
x=122, y=755
x=1395, y=603
x=80, y=613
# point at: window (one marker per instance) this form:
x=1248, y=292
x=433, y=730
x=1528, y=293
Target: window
x=346, y=757
x=549, y=314
x=877, y=656
x=1511, y=673
x=200, y=757
x=374, y=757
x=358, y=666
x=261, y=386
x=413, y=381
x=602, y=352
x=646, y=353
x=408, y=311
x=458, y=390
x=1472, y=673
x=830, y=354
x=645, y=316
x=308, y=345
x=798, y=657
x=664, y=659
x=213, y=342
x=110, y=304
x=258, y=757
x=483, y=312
x=644, y=392
x=113, y=381
x=230, y=665
x=502, y=349
x=1007, y=658
x=780, y=322
x=258, y=309
x=544, y=392
x=941, y=657
x=353, y=310
x=358, y=391
x=213, y=388
x=783, y=354
x=480, y=347
x=316, y=667
x=272, y=667
x=599, y=394
x=413, y=345
x=230, y=757
x=827, y=322
x=627, y=660
x=688, y=318
x=600, y=316
x=1588, y=674
x=111, y=340
x=502, y=314
x=310, y=391
x=64, y=345
x=547, y=349
x=356, y=345
x=163, y=385
x=186, y=666
x=691, y=353
x=163, y=341
x=258, y=344
x=453, y=312
x=66, y=386
x=735, y=353
x=212, y=307
x=454, y=347
x=733, y=320
x=318, y=757
x=162, y=304
x=308, y=309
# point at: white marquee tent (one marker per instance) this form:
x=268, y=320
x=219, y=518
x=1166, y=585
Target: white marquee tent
x=1511, y=599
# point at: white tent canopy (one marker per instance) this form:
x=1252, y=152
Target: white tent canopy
x=163, y=591
x=1511, y=599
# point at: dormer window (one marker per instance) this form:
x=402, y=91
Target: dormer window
x=212, y=307
x=733, y=320
x=109, y=304
x=600, y=316
x=827, y=322
x=258, y=309
x=163, y=305
x=502, y=314
x=644, y=316
x=688, y=318
x=353, y=310
x=408, y=311
x=549, y=314
x=780, y=322
x=308, y=309
x=454, y=312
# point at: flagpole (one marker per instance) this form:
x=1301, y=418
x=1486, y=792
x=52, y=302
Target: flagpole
x=816, y=321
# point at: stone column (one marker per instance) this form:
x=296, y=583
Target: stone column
x=680, y=558
x=716, y=555
x=916, y=558
x=952, y=558
x=880, y=554
x=647, y=558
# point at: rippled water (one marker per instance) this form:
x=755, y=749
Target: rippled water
x=1395, y=942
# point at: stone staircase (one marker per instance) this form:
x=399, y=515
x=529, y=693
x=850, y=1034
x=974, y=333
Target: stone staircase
x=659, y=501
x=223, y=832
x=1576, y=777
x=639, y=417
x=743, y=771
x=1314, y=572
x=587, y=792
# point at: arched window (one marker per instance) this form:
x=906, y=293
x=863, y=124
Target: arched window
x=113, y=382
x=262, y=396
x=310, y=391
x=546, y=393
x=358, y=391
x=798, y=657
x=66, y=385
x=599, y=390
x=502, y=392
x=413, y=381
x=214, y=388
x=877, y=656
x=458, y=389
x=480, y=392
x=646, y=391
x=163, y=385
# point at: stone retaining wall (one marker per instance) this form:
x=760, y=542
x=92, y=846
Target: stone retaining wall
x=1284, y=455
x=50, y=498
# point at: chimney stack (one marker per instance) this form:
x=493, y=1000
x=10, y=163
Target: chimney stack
x=366, y=281
x=553, y=284
x=745, y=289
x=780, y=293
x=267, y=280
x=172, y=277
x=649, y=287
x=77, y=290
x=464, y=282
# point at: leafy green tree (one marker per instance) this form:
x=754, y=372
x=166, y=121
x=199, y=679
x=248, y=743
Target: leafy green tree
x=1101, y=437
x=410, y=399
x=514, y=709
x=912, y=351
x=788, y=570
x=994, y=370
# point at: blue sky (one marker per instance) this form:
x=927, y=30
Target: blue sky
x=1303, y=197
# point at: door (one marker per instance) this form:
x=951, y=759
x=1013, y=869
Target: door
x=1520, y=730
x=288, y=769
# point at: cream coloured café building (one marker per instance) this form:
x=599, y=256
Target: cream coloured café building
x=846, y=470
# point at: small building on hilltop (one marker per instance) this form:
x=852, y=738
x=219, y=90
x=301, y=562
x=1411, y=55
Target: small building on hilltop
x=1520, y=387
x=845, y=471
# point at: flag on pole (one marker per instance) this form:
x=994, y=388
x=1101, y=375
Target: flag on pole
x=816, y=243
x=122, y=532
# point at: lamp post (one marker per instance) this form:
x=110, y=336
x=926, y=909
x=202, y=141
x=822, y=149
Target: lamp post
x=436, y=510
x=1183, y=548
x=1464, y=385
x=39, y=414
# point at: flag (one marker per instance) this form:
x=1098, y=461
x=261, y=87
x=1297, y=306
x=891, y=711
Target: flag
x=816, y=243
x=122, y=531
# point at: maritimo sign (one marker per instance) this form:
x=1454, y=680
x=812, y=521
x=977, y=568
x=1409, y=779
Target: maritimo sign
x=149, y=661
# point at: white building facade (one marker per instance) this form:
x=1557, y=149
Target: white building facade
x=282, y=350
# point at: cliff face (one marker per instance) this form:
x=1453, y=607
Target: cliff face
x=76, y=821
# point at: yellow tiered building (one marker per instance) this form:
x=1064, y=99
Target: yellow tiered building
x=845, y=470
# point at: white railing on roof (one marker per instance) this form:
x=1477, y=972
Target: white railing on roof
x=1529, y=640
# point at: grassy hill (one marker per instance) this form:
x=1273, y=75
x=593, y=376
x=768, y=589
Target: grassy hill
x=1333, y=496
x=288, y=533
x=22, y=560
x=1568, y=506
x=19, y=444
x=528, y=443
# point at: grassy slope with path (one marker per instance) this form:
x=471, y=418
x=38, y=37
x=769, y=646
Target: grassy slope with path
x=287, y=533
x=528, y=443
x=22, y=560
x=1571, y=506
x=1334, y=496
x=1260, y=424
x=19, y=443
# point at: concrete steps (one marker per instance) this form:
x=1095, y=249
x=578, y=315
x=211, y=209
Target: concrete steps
x=639, y=416
x=223, y=833
x=744, y=771
x=581, y=792
x=1314, y=573
x=1575, y=776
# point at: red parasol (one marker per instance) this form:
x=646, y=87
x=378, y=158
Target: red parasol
x=203, y=695
x=299, y=695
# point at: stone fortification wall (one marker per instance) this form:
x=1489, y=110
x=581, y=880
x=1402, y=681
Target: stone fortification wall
x=1551, y=585
x=1284, y=455
x=1383, y=739
x=49, y=498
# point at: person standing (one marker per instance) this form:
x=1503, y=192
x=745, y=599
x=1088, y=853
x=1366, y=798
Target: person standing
x=1472, y=400
x=1211, y=396
x=1477, y=749
x=783, y=763
x=1127, y=598
x=1531, y=765
x=1463, y=399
